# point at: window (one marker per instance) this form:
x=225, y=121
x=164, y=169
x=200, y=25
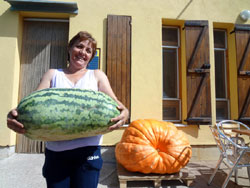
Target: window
x=220, y=54
x=186, y=72
x=170, y=51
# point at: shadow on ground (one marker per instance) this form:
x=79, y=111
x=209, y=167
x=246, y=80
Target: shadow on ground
x=25, y=170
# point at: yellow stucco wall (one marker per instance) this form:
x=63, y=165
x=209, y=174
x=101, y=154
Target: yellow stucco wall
x=147, y=19
x=9, y=63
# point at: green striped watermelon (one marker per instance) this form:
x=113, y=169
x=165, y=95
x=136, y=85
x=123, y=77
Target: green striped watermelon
x=64, y=114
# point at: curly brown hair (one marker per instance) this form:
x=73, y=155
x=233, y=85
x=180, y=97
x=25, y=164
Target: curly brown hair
x=82, y=36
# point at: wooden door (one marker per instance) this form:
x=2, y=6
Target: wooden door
x=242, y=35
x=44, y=46
x=119, y=56
x=198, y=72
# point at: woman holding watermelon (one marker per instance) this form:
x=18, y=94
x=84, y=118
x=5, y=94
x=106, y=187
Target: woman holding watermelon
x=75, y=163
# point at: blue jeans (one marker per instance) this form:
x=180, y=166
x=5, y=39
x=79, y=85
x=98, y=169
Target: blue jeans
x=77, y=168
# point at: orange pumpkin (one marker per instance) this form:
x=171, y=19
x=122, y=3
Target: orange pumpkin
x=151, y=146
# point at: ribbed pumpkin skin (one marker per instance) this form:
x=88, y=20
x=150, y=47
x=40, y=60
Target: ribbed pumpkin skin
x=151, y=146
x=64, y=114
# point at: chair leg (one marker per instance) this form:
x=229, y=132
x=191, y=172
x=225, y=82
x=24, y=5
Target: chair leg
x=215, y=170
x=236, y=176
x=229, y=175
x=248, y=171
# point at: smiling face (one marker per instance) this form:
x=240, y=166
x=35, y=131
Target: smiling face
x=80, y=54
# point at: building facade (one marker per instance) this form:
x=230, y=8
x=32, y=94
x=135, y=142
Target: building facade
x=184, y=61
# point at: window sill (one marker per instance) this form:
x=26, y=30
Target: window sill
x=180, y=125
x=124, y=126
x=176, y=124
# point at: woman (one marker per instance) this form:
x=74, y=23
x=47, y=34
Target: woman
x=75, y=163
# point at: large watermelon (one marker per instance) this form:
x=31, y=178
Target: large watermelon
x=64, y=114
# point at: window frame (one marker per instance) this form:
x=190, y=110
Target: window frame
x=178, y=68
x=226, y=69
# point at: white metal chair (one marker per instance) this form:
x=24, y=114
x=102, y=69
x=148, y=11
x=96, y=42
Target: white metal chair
x=233, y=151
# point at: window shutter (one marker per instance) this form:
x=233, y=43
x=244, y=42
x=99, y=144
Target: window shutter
x=119, y=56
x=198, y=72
x=242, y=35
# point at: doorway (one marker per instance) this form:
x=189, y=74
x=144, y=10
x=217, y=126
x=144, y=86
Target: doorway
x=44, y=46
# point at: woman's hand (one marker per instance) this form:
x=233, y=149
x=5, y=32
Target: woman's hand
x=121, y=119
x=104, y=86
x=13, y=124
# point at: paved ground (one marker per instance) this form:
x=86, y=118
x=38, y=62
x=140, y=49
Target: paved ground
x=24, y=171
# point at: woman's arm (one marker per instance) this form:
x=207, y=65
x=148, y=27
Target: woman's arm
x=46, y=79
x=104, y=86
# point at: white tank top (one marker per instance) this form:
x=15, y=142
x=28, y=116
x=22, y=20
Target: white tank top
x=88, y=81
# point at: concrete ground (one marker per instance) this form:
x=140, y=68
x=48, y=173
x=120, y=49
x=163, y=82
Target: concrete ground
x=24, y=171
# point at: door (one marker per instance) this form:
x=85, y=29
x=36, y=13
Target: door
x=44, y=46
x=242, y=35
x=198, y=72
x=119, y=56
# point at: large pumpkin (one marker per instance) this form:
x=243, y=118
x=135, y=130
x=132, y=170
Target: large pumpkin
x=151, y=146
